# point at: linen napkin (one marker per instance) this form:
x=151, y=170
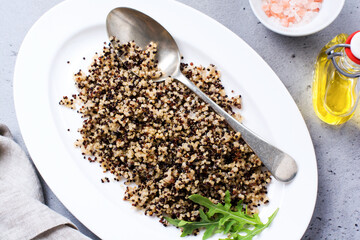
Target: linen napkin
x=22, y=212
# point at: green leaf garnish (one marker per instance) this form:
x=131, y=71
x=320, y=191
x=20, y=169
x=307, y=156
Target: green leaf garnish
x=221, y=219
x=189, y=227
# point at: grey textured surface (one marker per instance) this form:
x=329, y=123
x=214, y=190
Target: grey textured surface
x=337, y=212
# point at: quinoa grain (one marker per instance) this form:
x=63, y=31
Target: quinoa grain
x=161, y=136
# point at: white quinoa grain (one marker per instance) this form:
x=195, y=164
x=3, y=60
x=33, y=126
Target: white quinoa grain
x=161, y=136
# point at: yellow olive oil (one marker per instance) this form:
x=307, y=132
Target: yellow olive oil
x=334, y=95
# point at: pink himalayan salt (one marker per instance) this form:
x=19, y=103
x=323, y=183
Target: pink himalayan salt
x=291, y=12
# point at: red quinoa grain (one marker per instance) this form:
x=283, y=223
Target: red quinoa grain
x=161, y=136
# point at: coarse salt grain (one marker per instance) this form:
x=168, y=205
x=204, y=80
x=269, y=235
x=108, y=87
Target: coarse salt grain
x=290, y=13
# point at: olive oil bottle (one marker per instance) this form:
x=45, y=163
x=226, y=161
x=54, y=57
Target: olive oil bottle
x=336, y=87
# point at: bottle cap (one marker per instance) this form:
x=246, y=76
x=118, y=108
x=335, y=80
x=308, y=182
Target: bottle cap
x=353, y=52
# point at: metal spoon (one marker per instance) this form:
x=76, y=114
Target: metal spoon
x=128, y=24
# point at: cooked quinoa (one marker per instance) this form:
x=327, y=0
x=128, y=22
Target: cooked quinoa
x=166, y=142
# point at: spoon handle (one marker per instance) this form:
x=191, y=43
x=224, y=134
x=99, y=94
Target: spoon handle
x=281, y=165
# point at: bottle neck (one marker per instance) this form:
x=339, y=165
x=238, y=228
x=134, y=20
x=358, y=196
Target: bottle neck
x=347, y=64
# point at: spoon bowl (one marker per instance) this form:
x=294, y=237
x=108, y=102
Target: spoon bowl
x=142, y=29
x=128, y=24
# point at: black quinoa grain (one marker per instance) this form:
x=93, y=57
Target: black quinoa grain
x=162, y=137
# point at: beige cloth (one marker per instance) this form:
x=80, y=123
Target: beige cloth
x=22, y=212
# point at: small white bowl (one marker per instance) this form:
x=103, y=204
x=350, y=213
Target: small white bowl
x=330, y=9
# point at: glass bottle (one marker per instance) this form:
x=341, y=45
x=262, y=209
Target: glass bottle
x=336, y=87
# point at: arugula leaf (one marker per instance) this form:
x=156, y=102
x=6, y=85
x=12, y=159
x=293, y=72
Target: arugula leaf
x=209, y=232
x=228, y=225
x=221, y=219
x=189, y=227
x=174, y=222
x=238, y=216
x=253, y=232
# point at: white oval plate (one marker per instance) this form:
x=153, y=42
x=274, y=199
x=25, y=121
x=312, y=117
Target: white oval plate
x=75, y=29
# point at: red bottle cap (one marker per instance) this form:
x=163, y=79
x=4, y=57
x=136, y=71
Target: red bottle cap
x=348, y=50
